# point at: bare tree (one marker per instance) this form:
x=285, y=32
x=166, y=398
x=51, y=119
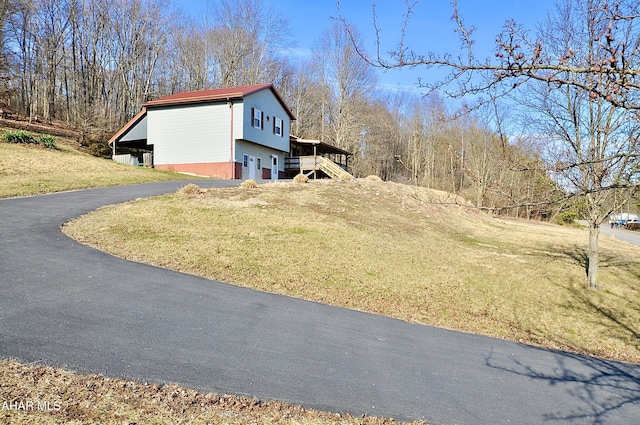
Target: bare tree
x=22, y=30
x=346, y=81
x=379, y=139
x=54, y=25
x=304, y=95
x=191, y=59
x=6, y=10
x=481, y=160
x=246, y=39
x=584, y=65
x=139, y=30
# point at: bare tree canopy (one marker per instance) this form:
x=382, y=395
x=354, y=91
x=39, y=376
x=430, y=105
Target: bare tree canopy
x=346, y=81
x=605, y=63
x=93, y=63
x=245, y=40
x=579, y=79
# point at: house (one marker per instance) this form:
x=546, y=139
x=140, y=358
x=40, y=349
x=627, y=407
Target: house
x=229, y=133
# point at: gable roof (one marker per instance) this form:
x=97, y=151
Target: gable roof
x=129, y=126
x=206, y=96
x=195, y=97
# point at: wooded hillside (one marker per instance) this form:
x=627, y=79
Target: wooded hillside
x=91, y=64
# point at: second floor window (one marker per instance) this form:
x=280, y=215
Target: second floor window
x=256, y=118
x=277, y=126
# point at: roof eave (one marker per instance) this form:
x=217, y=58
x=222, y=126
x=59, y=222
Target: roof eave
x=282, y=102
x=124, y=130
x=208, y=98
x=193, y=100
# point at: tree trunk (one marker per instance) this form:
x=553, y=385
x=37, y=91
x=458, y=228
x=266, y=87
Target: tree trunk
x=592, y=261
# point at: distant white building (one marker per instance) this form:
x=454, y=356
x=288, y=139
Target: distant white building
x=623, y=218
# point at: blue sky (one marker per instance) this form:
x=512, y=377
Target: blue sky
x=431, y=28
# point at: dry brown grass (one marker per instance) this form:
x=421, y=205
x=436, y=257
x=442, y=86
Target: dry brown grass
x=301, y=178
x=93, y=399
x=32, y=170
x=249, y=184
x=397, y=250
x=190, y=189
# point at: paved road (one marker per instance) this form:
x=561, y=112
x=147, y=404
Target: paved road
x=621, y=234
x=65, y=304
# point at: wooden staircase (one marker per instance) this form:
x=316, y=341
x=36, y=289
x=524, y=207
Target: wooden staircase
x=332, y=169
x=310, y=164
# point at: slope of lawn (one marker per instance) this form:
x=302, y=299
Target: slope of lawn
x=32, y=170
x=400, y=251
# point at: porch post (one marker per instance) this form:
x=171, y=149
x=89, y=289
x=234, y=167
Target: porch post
x=315, y=161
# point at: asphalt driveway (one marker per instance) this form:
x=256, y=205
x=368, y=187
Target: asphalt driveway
x=68, y=305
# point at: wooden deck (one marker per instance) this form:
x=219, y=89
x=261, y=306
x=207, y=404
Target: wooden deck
x=310, y=164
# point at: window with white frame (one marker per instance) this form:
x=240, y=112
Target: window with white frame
x=259, y=163
x=257, y=120
x=245, y=160
x=277, y=127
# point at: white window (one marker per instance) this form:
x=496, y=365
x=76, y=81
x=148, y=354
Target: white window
x=245, y=160
x=277, y=126
x=257, y=118
x=259, y=163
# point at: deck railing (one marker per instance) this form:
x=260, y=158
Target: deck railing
x=317, y=163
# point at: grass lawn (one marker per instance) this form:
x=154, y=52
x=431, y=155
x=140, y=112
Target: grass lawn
x=32, y=170
x=400, y=251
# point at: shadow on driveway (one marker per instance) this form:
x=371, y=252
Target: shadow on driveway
x=601, y=388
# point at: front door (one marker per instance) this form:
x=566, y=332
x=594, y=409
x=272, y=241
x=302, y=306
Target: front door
x=274, y=167
x=252, y=167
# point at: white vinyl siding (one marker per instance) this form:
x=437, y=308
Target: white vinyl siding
x=264, y=153
x=191, y=134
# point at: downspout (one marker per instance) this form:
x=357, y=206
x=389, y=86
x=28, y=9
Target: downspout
x=231, y=154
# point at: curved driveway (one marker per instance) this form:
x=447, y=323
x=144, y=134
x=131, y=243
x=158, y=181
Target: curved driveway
x=68, y=305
